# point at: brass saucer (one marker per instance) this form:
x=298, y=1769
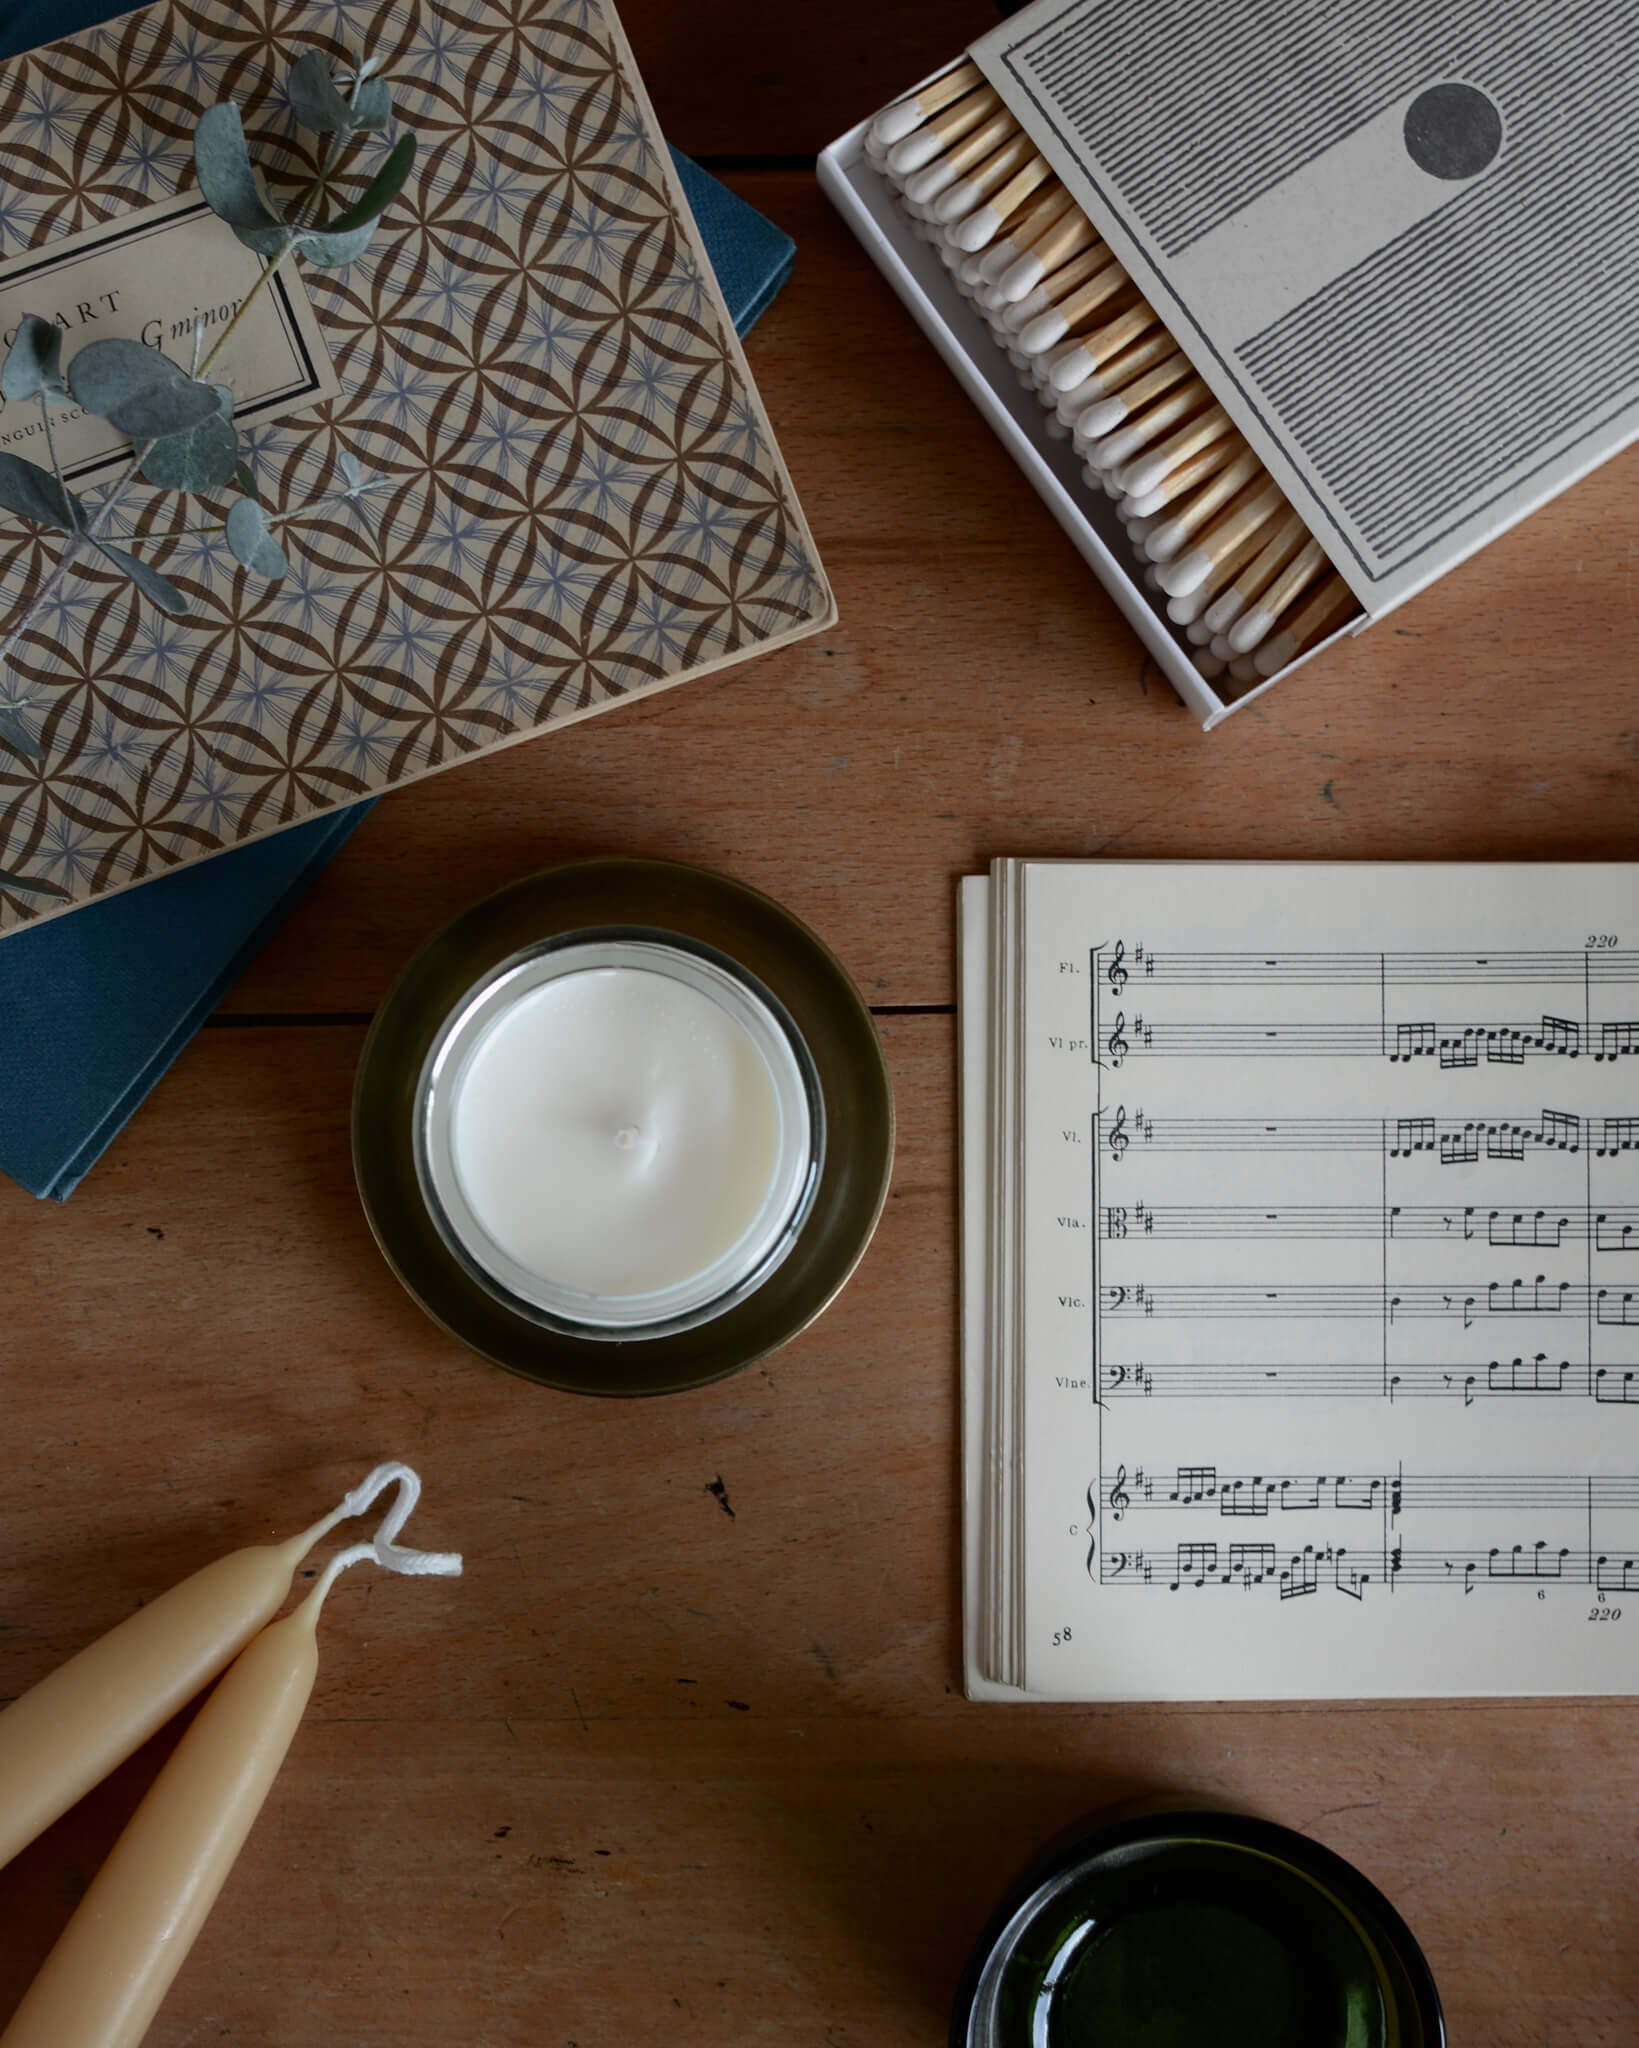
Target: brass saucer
x=656, y=896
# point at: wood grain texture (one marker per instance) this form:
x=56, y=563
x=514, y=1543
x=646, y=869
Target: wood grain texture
x=652, y=1771
x=982, y=695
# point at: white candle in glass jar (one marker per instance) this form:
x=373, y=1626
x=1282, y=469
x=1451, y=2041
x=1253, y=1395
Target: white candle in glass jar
x=622, y=1133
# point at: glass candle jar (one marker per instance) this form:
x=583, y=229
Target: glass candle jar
x=619, y=1134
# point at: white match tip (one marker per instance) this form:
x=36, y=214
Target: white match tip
x=997, y=258
x=926, y=186
x=1197, y=630
x=1224, y=610
x=1152, y=580
x=1017, y=316
x=1055, y=429
x=951, y=257
x=1244, y=669
x=1110, y=487
x=1186, y=572
x=1037, y=336
x=1209, y=665
x=876, y=153
x=914, y=151
x=1089, y=475
x=980, y=227
x=893, y=124
x=1186, y=609
x=1165, y=539
x=1248, y=631
x=1071, y=367
x=1219, y=643
x=1074, y=402
x=956, y=202
x=1274, y=654
x=1102, y=418
x=1118, y=446
x=1146, y=473
x=1021, y=277
x=1136, y=526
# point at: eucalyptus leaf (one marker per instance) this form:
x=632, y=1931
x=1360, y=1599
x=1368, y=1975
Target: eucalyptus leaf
x=222, y=163
x=251, y=542
x=15, y=734
x=246, y=482
x=381, y=191
x=268, y=242
x=34, y=493
x=331, y=251
x=314, y=97
x=34, y=361
x=352, y=473
x=201, y=457
x=372, y=105
x=158, y=589
x=139, y=390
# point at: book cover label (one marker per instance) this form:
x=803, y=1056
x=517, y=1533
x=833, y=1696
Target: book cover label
x=151, y=275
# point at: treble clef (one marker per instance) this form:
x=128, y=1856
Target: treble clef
x=1120, y=1499
x=1115, y=972
x=1119, y=1140
x=1117, y=1042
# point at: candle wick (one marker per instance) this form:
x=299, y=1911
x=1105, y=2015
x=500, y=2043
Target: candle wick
x=627, y=1136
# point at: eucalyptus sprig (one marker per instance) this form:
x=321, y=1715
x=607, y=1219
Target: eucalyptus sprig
x=180, y=422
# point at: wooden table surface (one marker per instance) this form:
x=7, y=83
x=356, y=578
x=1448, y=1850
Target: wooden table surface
x=684, y=1757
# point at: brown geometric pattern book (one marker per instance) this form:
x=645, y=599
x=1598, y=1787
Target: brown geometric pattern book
x=581, y=497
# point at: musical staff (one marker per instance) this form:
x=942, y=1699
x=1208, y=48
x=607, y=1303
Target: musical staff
x=1451, y=1044
x=1455, y=1140
x=1206, y=1489
x=1547, y=1228
x=1564, y=969
x=1359, y=1379
x=1540, y=1295
x=1294, y=1573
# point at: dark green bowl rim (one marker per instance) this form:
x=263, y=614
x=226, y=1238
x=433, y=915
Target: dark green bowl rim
x=1329, y=1871
x=656, y=896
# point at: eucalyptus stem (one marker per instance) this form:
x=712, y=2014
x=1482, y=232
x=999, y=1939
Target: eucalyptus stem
x=274, y=519
x=77, y=541
x=56, y=466
x=247, y=302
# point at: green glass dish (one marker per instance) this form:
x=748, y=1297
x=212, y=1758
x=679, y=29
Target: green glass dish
x=1196, y=1930
x=652, y=898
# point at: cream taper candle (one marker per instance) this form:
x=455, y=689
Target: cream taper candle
x=66, y=1733
x=102, y=1984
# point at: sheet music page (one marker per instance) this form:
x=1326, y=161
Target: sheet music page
x=1331, y=1260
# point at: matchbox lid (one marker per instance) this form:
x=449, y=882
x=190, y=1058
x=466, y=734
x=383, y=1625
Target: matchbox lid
x=1401, y=245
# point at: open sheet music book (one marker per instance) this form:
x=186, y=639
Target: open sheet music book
x=1300, y=1280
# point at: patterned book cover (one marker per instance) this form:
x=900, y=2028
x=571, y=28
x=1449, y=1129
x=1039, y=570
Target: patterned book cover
x=582, y=498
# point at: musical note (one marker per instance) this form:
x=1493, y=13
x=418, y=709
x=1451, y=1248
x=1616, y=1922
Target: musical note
x=1414, y=1041
x=1616, y=1041
x=1196, y=1563
x=1251, y=1563
x=1116, y=973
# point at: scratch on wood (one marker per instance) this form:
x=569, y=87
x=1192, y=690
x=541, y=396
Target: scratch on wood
x=579, y=1712
x=719, y=1493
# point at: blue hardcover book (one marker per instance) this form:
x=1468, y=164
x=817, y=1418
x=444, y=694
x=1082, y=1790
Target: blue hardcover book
x=95, y=1005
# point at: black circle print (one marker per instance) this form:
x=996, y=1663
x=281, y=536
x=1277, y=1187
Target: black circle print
x=1453, y=131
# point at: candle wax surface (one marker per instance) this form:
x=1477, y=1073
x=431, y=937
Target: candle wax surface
x=616, y=1132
